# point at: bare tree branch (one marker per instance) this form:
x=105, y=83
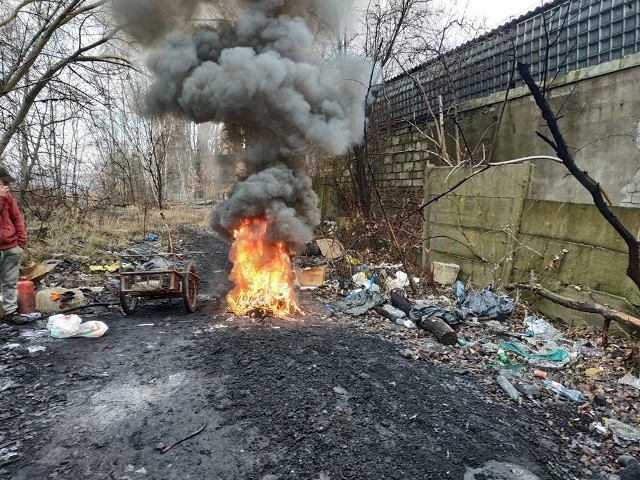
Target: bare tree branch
x=562, y=150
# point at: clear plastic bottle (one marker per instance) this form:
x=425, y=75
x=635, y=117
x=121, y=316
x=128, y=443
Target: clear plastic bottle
x=508, y=387
x=458, y=290
x=575, y=395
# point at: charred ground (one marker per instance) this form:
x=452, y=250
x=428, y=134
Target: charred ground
x=319, y=397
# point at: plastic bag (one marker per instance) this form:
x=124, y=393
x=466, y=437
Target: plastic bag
x=70, y=325
x=485, y=303
x=539, y=328
x=452, y=316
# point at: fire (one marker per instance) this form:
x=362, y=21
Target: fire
x=262, y=273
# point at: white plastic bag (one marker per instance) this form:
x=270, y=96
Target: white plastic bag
x=70, y=325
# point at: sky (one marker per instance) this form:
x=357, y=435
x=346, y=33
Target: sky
x=498, y=12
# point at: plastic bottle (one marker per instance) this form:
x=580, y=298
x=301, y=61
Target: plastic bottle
x=396, y=312
x=406, y=322
x=502, y=356
x=508, y=387
x=26, y=297
x=458, y=290
x=575, y=395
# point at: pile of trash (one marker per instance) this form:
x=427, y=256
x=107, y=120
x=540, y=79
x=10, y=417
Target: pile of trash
x=523, y=357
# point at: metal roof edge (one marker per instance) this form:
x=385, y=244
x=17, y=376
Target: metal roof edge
x=504, y=27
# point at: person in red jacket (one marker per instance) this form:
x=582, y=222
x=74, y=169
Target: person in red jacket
x=13, y=239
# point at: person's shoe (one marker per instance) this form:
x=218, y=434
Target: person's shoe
x=15, y=319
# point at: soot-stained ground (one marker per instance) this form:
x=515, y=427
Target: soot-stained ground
x=318, y=397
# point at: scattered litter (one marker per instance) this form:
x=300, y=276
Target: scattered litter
x=452, y=316
x=458, y=290
x=358, y=303
x=351, y=260
x=485, y=303
x=527, y=388
x=539, y=328
x=164, y=448
x=52, y=300
x=592, y=371
x=393, y=311
x=557, y=358
x=406, y=322
x=401, y=280
x=34, y=333
x=361, y=280
x=36, y=348
x=561, y=390
x=629, y=379
x=114, y=267
x=38, y=271
x=70, y=325
x=499, y=470
x=508, y=387
x=623, y=434
x=330, y=248
x=599, y=427
x=331, y=307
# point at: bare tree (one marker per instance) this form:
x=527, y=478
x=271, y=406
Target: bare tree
x=51, y=51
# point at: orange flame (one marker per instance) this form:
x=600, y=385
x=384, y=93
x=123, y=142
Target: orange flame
x=262, y=273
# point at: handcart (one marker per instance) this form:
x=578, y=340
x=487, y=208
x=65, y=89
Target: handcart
x=173, y=281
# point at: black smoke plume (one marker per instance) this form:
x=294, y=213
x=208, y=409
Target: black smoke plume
x=254, y=65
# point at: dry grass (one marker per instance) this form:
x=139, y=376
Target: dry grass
x=94, y=236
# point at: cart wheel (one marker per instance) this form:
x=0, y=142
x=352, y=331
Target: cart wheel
x=190, y=288
x=128, y=303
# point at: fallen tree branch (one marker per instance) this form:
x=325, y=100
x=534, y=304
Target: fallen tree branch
x=609, y=314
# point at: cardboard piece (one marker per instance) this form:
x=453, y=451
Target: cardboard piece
x=37, y=271
x=330, y=248
x=311, y=277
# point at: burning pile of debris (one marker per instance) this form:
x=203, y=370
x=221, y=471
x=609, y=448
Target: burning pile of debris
x=255, y=68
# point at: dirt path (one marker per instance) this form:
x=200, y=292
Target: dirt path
x=316, y=398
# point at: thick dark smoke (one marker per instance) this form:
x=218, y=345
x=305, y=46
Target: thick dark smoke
x=254, y=66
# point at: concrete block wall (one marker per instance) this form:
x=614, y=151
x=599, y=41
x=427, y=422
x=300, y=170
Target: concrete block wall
x=600, y=120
